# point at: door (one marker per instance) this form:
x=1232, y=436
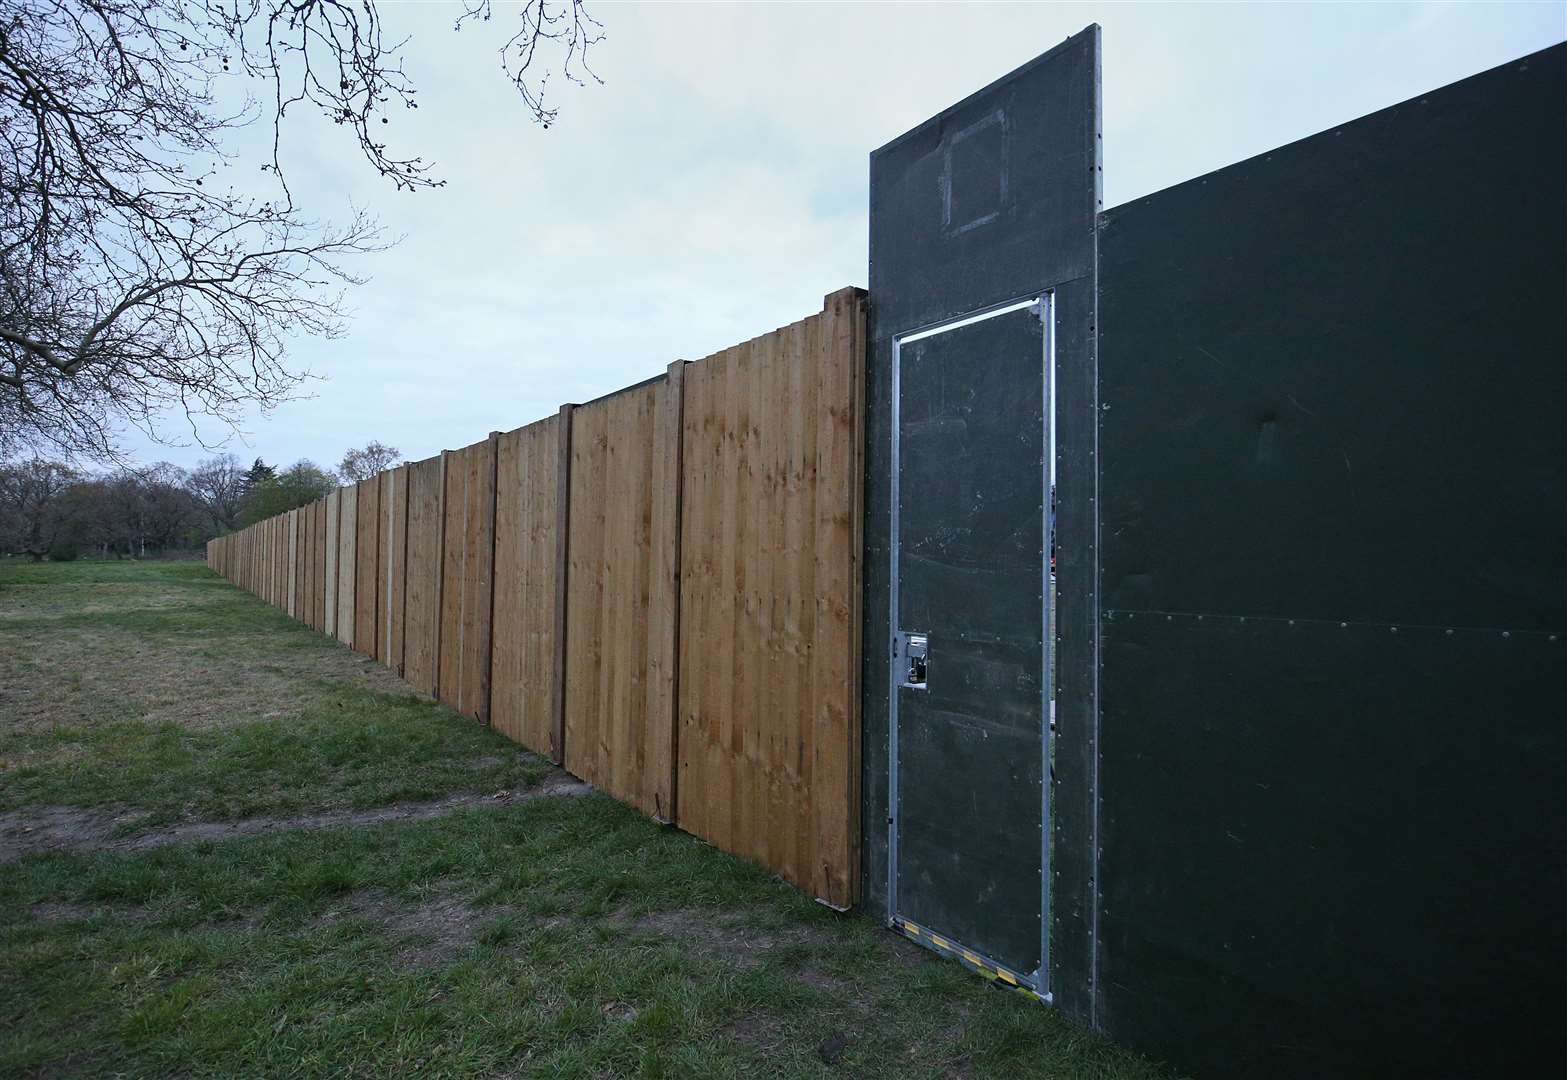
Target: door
x=970, y=741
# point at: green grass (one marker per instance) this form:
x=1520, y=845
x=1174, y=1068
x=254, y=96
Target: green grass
x=558, y=937
x=351, y=749
x=322, y=742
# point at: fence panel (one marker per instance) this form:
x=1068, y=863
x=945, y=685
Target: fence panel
x=367, y=563
x=522, y=655
x=768, y=737
x=393, y=543
x=468, y=551
x=618, y=734
x=422, y=624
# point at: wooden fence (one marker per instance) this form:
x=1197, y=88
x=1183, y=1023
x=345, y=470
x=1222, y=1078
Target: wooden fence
x=658, y=590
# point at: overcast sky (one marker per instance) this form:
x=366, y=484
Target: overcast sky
x=715, y=186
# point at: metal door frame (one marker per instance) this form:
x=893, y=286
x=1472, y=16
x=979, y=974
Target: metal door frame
x=1037, y=982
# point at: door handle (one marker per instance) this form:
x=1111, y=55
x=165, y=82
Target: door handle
x=912, y=657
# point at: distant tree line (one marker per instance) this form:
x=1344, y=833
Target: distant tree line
x=48, y=509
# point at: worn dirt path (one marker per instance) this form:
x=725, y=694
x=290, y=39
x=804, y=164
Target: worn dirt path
x=32, y=829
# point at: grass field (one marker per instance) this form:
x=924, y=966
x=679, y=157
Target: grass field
x=229, y=846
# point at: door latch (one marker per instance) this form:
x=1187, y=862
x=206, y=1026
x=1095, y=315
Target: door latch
x=911, y=655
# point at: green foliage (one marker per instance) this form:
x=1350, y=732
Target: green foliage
x=298, y=485
x=64, y=551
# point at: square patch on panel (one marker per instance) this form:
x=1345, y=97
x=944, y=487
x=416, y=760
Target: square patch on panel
x=974, y=179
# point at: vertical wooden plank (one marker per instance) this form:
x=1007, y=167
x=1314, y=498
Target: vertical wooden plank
x=834, y=703
x=563, y=434
x=318, y=557
x=485, y=655
x=333, y=505
x=663, y=709
x=695, y=588
x=543, y=520
x=799, y=629
x=367, y=545
x=390, y=590
x=347, y=552
x=291, y=593
x=279, y=555
x=720, y=786
x=441, y=636
x=583, y=659
x=449, y=669
x=315, y=582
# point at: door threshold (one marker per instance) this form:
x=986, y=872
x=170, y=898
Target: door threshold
x=999, y=974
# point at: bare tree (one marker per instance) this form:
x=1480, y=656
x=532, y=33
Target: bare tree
x=219, y=483
x=135, y=280
x=31, y=517
x=364, y=463
x=565, y=26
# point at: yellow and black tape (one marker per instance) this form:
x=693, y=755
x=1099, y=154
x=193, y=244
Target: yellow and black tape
x=969, y=959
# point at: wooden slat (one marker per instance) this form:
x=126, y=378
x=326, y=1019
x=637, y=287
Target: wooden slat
x=663, y=617
x=485, y=655
x=320, y=584
x=563, y=436
x=347, y=557
x=329, y=599
x=478, y=580
x=393, y=542
x=367, y=563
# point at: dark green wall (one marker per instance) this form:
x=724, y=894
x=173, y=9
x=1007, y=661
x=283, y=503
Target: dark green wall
x=1333, y=614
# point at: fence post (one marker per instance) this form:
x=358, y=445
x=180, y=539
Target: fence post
x=562, y=560
x=440, y=578
x=669, y=496
x=488, y=648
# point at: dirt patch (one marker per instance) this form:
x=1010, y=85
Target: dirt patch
x=820, y=980
x=759, y=1030
x=59, y=911
x=907, y=951
x=724, y=936
x=427, y=933
x=35, y=829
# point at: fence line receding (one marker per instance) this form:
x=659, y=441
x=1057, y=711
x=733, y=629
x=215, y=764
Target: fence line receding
x=658, y=589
